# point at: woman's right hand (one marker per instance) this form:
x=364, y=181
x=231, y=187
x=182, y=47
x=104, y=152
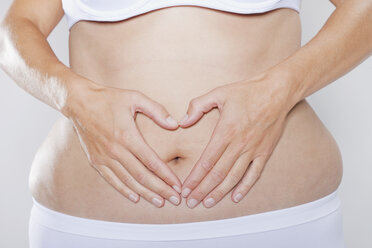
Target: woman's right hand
x=104, y=119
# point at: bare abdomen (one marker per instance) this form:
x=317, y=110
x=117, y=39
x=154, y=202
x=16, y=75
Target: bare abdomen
x=171, y=65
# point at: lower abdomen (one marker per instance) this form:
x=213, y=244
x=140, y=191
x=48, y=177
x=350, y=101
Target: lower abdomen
x=305, y=165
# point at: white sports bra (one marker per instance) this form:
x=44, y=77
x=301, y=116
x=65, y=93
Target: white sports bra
x=117, y=10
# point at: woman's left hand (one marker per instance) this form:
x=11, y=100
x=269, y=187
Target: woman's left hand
x=252, y=115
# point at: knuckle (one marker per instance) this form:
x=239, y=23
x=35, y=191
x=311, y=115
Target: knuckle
x=218, y=193
x=118, y=135
x=165, y=178
x=235, y=178
x=255, y=173
x=217, y=175
x=128, y=139
x=206, y=166
x=109, y=179
x=152, y=164
x=195, y=103
x=245, y=139
x=249, y=135
x=111, y=149
x=240, y=146
x=225, y=131
x=104, y=173
x=141, y=178
x=230, y=130
x=127, y=180
x=192, y=183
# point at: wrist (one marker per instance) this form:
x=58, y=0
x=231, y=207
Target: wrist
x=78, y=89
x=286, y=78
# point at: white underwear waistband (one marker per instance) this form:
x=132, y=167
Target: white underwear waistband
x=255, y=223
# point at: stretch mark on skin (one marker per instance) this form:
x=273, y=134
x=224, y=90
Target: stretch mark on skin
x=44, y=87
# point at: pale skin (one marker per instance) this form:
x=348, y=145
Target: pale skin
x=234, y=143
x=237, y=142
x=103, y=142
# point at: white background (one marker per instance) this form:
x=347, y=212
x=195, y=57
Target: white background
x=345, y=107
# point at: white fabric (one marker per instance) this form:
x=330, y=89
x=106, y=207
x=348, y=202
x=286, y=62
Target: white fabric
x=314, y=224
x=117, y=10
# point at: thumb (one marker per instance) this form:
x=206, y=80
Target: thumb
x=199, y=106
x=156, y=112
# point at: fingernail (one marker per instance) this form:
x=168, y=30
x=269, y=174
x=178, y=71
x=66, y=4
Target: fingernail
x=174, y=200
x=133, y=197
x=157, y=202
x=209, y=202
x=192, y=203
x=176, y=188
x=186, y=192
x=172, y=121
x=238, y=197
x=184, y=118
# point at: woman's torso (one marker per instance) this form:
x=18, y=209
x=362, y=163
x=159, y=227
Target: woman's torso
x=173, y=55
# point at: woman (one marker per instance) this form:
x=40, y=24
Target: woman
x=250, y=148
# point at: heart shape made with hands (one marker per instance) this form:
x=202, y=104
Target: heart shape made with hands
x=252, y=116
x=250, y=124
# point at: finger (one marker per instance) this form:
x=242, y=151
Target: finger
x=146, y=177
x=233, y=177
x=155, y=111
x=215, y=148
x=131, y=182
x=116, y=183
x=250, y=178
x=199, y=106
x=215, y=176
x=137, y=145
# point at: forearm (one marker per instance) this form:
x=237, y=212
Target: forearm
x=342, y=43
x=27, y=58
